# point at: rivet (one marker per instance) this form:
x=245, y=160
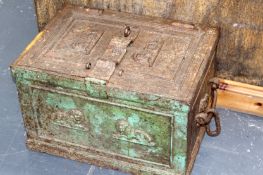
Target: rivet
x=88, y=66
x=121, y=72
x=127, y=31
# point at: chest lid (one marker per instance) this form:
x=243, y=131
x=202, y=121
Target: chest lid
x=127, y=52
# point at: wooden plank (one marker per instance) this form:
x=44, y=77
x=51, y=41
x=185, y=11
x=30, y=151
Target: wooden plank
x=241, y=97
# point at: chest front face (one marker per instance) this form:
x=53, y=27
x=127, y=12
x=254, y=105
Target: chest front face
x=114, y=89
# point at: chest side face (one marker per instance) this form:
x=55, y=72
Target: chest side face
x=103, y=126
x=113, y=129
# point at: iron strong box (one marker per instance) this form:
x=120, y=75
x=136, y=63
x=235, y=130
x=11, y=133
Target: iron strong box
x=116, y=90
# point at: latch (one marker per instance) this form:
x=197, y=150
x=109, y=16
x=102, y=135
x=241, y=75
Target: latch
x=101, y=72
x=207, y=112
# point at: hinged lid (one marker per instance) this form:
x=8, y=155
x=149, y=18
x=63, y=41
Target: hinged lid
x=158, y=57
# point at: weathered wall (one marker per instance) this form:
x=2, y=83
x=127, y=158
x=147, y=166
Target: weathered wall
x=240, y=49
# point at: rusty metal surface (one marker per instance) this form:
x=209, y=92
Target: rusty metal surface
x=170, y=56
x=240, y=47
x=96, y=89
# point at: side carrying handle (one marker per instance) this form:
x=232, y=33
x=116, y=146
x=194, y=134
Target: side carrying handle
x=208, y=112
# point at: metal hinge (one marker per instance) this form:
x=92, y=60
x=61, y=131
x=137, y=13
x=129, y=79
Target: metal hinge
x=207, y=112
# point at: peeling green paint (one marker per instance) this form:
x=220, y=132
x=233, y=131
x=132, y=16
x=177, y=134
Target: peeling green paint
x=147, y=100
x=103, y=118
x=181, y=125
x=96, y=119
x=181, y=119
x=180, y=162
x=117, y=114
x=96, y=88
x=180, y=107
x=29, y=77
x=132, y=152
x=147, y=132
x=65, y=103
x=134, y=120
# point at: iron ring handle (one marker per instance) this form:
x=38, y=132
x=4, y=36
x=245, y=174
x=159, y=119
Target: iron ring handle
x=217, y=131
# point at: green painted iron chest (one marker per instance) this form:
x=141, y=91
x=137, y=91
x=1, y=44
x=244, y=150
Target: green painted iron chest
x=116, y=90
